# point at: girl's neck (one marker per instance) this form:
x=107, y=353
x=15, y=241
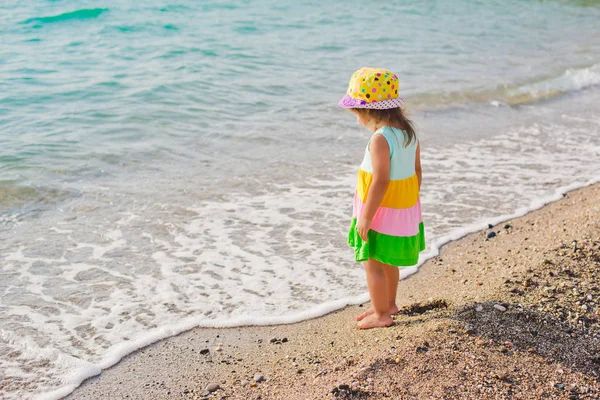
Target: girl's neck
x=377, y=127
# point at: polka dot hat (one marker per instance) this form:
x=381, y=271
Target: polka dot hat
x=372, y=88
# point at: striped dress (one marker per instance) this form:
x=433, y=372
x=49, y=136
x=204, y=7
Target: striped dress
x=396, y=236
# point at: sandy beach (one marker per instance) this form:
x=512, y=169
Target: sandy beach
x=507, y=316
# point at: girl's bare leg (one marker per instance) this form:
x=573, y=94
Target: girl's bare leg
x=392, y=276
x=378, y=289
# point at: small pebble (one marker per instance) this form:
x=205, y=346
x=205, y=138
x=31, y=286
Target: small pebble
x=204, y=351
x=244, y=383
x=259, y=378
x=507, y=226
x=479, y=308
x=584, y=389
x=499, y=307
x=491, y=234
x=559, y=385
x=213, y=387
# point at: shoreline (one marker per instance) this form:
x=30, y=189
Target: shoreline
x=186, y=368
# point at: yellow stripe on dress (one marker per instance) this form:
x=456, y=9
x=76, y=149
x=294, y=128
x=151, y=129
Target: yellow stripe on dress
x=401, y=193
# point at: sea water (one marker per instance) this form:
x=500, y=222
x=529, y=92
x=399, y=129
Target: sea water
x=165, y=165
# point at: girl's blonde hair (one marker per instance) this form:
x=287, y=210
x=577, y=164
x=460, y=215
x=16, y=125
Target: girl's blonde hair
x=393, y=117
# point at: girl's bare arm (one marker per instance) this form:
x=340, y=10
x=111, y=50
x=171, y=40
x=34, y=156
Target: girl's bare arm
x=418, y=165
x=380, y=159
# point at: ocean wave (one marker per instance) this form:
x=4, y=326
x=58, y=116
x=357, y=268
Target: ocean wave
x=87, y=13
x=539, y=89
x=569, y=81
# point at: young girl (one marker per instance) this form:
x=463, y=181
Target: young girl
x=387, y=225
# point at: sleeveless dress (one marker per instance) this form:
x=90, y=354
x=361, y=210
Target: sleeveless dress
x=397, y=235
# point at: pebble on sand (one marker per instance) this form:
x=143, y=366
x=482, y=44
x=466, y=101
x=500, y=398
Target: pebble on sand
x=499, y=307
x=259, y=378
x=491, y=234
x=469, y=328
x=213, y=387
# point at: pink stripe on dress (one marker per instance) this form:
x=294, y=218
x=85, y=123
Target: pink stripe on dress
x=392, y=221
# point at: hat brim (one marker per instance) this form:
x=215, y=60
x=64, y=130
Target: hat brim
x=350, y=102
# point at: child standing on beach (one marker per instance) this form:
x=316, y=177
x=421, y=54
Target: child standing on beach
x=387, y=225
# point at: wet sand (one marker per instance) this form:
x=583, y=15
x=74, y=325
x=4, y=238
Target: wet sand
x=515, y=316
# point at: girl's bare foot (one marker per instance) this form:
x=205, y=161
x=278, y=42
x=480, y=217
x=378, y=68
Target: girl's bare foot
x=393, y=310
x=373, y=321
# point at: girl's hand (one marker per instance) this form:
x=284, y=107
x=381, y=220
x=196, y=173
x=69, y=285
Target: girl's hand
x=363, y=227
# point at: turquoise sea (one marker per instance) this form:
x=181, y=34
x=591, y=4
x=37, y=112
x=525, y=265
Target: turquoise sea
x=165, y=165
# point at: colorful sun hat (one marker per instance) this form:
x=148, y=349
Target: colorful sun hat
x=372, y=88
